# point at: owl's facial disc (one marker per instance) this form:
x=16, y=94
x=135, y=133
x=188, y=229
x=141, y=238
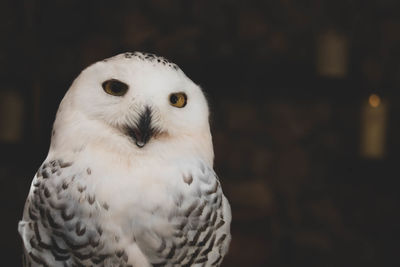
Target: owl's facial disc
x=142, y=132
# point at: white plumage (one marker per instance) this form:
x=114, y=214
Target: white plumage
x=128, y=180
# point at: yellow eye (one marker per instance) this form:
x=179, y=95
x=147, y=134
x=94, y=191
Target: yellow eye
x=115, y=87
x=178, y=100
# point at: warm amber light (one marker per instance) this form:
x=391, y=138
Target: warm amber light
x=374, y=100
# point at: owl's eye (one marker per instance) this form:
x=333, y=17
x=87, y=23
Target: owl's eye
x=178, y=100
x=115, y=87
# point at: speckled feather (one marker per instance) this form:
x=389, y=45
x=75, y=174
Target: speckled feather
x=100, y=200
x=150, y=57
x=62, y=223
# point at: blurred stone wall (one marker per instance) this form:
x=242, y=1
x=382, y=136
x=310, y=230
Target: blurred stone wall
x=288, y=168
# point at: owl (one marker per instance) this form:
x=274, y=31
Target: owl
x=128, y=179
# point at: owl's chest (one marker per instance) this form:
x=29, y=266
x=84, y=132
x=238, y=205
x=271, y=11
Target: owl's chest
x=172, y=214
x=141, y=192
x=144, y=188
x=168, y=211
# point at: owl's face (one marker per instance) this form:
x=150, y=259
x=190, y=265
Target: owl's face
x=140, y=97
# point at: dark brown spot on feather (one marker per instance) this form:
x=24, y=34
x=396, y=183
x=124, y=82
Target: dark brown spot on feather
x=191, y=208
x=217, y=261
x=65, y=164
x=66, y=216
x=80, y=229
x=214, y=218
x=33, y=243
x=46, y=192
x=220, y=223
x=162, y=246
x=182, y=243
x=213, y=189
x=65, y=185
x=99, y=230
x=208, y=216
x=199, y=210
x=192, y=258
x=197, y=235
x=81, y=188
x=181, y=257
x=210, y=246
x=38, y=238
x=91, y=199
x=171, y=252
x=100, y=258
x=182, y=225
x=56, y=247
x=119, y=253
x=201, y=260
x=188, y=179
x=59, y=256
x=32, y=215
x=45, y=174
x=38, y=259
x=42, y=211
x=94, y=241
x=206, y=238
x=82, y=256
x=51, y=220
x=220, y=240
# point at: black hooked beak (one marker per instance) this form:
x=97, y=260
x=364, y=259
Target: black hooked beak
x=143, y=130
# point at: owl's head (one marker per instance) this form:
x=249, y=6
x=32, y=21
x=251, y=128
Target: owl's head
x=137, y=101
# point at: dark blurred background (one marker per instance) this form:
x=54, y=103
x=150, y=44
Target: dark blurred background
x=304, y=98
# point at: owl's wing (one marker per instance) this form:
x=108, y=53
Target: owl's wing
x=201, y=218
x=59, y=225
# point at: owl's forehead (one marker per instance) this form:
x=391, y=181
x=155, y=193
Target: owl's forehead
x=144, y=58
x=146, y=72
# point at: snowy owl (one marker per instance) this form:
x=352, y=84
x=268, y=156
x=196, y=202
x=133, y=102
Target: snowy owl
x=129, y=179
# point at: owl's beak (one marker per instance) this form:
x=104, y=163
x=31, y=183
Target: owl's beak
x=142, y=131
